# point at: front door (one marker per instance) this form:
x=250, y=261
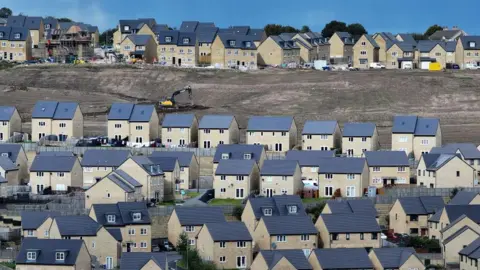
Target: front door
x=278, y=147
x=173, y=60
x=206, y=144
x=109, y=263
x=350, y=152
x=1, y=136
x=11, y=56
x=269, y=192
x=129, y=248
x=182, y=141
x=179, y=61
x=239, y=193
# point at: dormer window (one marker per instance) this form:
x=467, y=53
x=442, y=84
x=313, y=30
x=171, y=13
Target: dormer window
x=168, y=39
x=31, y=256
x=111, y=218
x=47, y=26
x=471, y=44
x=16, y=36
x=248, y=44
x=4, y=154
x=60, y=256
x=247, y=156
x=186, y=40
x=292, y=209
x=267, y=211
x=126, y=28
x=137, y=216
x=225, y=156
x=232, y=43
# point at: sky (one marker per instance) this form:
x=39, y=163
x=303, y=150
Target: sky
x=396, y=16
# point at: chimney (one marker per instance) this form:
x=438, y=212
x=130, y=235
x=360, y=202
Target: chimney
x=455, y=27
x=445, y=28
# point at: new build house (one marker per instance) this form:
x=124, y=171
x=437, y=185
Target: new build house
x=467, y=51
x=469, y=255
x=97, y=164
x=358, y=138
x=8, y=172
x=278, y=51
x=395, y=258
x=239, y=152
x=335, y=258
x=177, y=48
x=281, y=259
x=235, y=179
x=278, y=177
x=15, y=44
x=10, y=122
x=341, y=48
x=57, y=173
x=278, y=133
x=444, y=170
x=217, y=129
x=144, y=260
x=360, y=206
x=234, y=50
x=365, y=52
x=189, y=167
x=36, y=223
x=449, y=215
x=321, y=135
x=467, y=151
x=18, y=157
x=179, y=130
x=388, y=168
x=139, y=46
x=309, y=163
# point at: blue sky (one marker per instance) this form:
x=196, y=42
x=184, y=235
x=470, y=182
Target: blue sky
x=376, y=15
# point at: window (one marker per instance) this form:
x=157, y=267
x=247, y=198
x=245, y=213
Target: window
x=350, y=176
x=181, y=50
x=221, y=131
x=59, y=256
x=223, y=244
x=424, y=142
x=281, y=238
x=363, y=61
x=350, y=139
x=143, y=231
x=1, y=34
x=328, y=176
x=313, y=169
x=93, y=244
x=138, y=127
x=4, y=44
x=363, y=52
x=248, y=44
x=458, y=173
x=284, y=178
x=42, y=124
x=168, y=39
x=394, y=54
x=30, y=232
x=223, y=190
x=328, y=191
x=143, y=244
x=284, y=134
x=361, y=236
x=267, y=211
x=127, y=47
x=374, y=236
x=240, y=178
x=438, y=54
x=40, y=174
x=241, y=244
x=46, y=233
x=191, y=242
x=323, y=137
x=186, y=40
x=403, y=139
x=222, y=259
x=394, y=63
x=131, y=231
x=236, y=52
x=284, y=191
x=189, y=52
x=304, y=237
x=126, y=28
x=413, y=217
x=471, y=44
x=334, y=236
x=111, y=218
x=292, y=209
x=241, y=262
x=108, y=195
x=309, y=137
x=20, y=46
x=364, y=139
x=364, y=43
x=31, y=256
x=223, y=177
x=472, y=162
x=189, y=228
x=376, y=169
x=351, y=191
x=60, y=174
x=16, y=36
x=137, y=216
x=401, y=169
x=347, y=236
x=118, y=125
x=247, y=156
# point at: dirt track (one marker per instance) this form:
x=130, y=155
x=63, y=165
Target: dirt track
x=344, y=96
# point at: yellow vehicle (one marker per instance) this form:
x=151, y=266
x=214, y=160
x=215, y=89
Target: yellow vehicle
x=435, y=66
x=171, y=103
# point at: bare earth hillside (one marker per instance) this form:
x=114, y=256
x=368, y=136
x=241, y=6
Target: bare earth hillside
x=345, y=96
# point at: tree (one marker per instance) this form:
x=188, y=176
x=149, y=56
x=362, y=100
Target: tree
x=305, y=29
x=190, y=257
x=237, y=212
x=356, y=30
x=5, y=12
x=277, y=29
x=332, y=27
x=106, y=38
x=316, y=210
x=417, y=37
x=432, y=29
x=64, y=20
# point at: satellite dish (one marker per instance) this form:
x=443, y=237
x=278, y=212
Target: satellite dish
x=274, y=245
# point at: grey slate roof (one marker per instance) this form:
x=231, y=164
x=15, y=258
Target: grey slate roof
x=423, y=205
x=116, y=233
x=350, y=223
x=11, y=150
x=123, y=213
x=120, y=182
x=466, y=40
x=343, y=258
x=237, y=151
x=386, y=158
x=33, y=23
x=184, y=158
x=418, y=126
x=319, y=127
x=472, y=250
x=436, y=217
x=46, y=251
x=65, y=110
x=244, y=42
x=137, y=260
x=50, y=21
x=139, y=40
x=468, y=150
x=56, y=153
x=7, y=165
x=285, y=44
x=216, y=121
x=5, y=32
x=196, y=216
x=295, y=256
x=404, y=124
x=341, y=165
x=289, y=225
x=279, y=167
x=177, y=38
x=346, y=38
x=77, y=226
x=6, y=112
x=408, y=38
x=31, y=220
x=178, y=120
x=359, y=129
x=279, y=205
x=372, y=41
x=270, y=123
x=54, y=109
x=427, y=126
x=228, y=231
x=434, y=162
x=53, y=164
x=463, y=198
x=120, y=111
x=167, y=164
x=16, y=21
x=360, y=206
x=455, y=211
x=308, y=158
x=235, y=167
x=393, y=258
x=127, y=178
x=447, y=34
x=207, y=35
x=148, y=165
x=142, y=113
x=457, y=233
x=104, y=158
x=186, y=39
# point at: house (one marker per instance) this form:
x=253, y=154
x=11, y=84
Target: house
x=10, y=121
x=150, y=175
x=141, y=47
x=365, y=52
x=190, y=220
x=281, y=259
x=448, y=215
x=335, y=258
x=341, y=48
x=258, y=35
x=348, y=231
x=138, y=124
x=446, y=34
x=239, y=152
x=279, y=205
x=469, y=255
x=235, y=179
x=97, y=164
x=444, y=171
x=146, y=260
x=416, y=135
x=400, y=55
x=117, y=186
x=228, y=245
x=286, y=232
x=151, y=29
x=101, y=244
x=17, y=156
x=409, y=215
x=348, y=176
x=57, y=173
x=321, y=135
x=171, y=174
x=179, y=130
x=8, y=172
x=358, y=138
x=309, y=43
x=62, y=119
x=15, y=44
x=49, y=23
x=34, y=25
x=177, y=48
x=278, y=133
x=130, y=27
x=467, y=151
x=80, y=38
x=467, y=51
x=276, y=51
x=308, y=161
x=217, y=129
x=233, y=50
x=407, y=38
x=395, y=258
x=457, y=235
x=131, y=218
x=381, y=39
x=53, y=254
x=442, y=52
x=388, y=168
x=189, y=166
x=359, y=206
x=205, y=33
x=465, y=198
x=278, y=177
x=37, y=223
x=3, y=22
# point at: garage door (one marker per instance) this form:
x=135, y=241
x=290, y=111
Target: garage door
x=425, y=65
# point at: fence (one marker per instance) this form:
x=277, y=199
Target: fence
x=8, y=191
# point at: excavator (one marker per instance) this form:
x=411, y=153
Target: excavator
x=171, y=103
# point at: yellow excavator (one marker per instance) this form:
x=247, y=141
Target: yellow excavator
x=171, y=103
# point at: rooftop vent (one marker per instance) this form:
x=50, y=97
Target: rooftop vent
x=43, y=109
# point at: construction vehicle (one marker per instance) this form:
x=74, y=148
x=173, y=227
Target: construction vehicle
x=171, y=103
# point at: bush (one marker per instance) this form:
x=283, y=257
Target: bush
x=316, y=210
x=237, y=212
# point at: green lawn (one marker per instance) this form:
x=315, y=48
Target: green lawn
x=193, y=194
x=314, y=200
x=165, y=203
x=8, y=264
x=225, y=202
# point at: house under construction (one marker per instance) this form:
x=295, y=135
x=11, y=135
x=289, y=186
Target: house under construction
x=72, y=39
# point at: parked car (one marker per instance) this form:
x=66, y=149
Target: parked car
x=376, y=66
x=327, y=68
x=472, y=66
x=452, y=66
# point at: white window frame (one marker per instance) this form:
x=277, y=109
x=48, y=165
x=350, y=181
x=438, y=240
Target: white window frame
x=111, y=218
x=402, y=169
x=292, y=209
x=403, y=139
x=376, y=169
x=350, y=176
x=191, y=242
x=223, y=244
x=241, y=244
x=59, y=256
x=323, y=137
x=351, y=191
x=168, y=39
x=189, y=228
x=143, y=244
x=143, y=231
x=305, y=237
x=328, y=176
x=31, y=256
x=137, y=216
x=131, y=231
x=222, y=259
x=424, y=142
x=267, y=212
x=331, y=190
x=225, y=156
x=281, y=238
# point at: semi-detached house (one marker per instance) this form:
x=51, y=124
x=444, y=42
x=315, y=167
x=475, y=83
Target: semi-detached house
x=341, y=48
x=138, y=46
x=278, y=177
x=10, y=122
x=467, y=151
x=58, y=173
x=467, y=51
x=388, y=168
x=217, y=129
x=428, y=51
x=239, y=152
x=278, y=133
x=15, y=44
x=444, y=171
x=37, y=224
x=358, y=138
x=179, y=130
x=321, y=135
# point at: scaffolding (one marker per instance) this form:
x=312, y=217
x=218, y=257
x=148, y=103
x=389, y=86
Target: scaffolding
x=74, y=42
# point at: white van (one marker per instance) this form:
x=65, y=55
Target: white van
x=376, y=66
x=472, y=66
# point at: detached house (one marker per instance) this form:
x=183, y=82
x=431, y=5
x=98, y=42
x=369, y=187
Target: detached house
x=340, y=258
x=58, y=173
x=449, y=216
x=62, y=119
x=278, y=133
x=321, y=135
x=171, y=174
x=97, y=164
x=8, y=172
x=141, y=47
x=469, y=255
x=309, y=43
x=53, y=254
x=239, y=152
x=37, y=223
x=279, y=205
x=381, y=39
x=341, y=48
x=234, y=50
x=228, y=245
x=130, y=27
x=467, y=151
x=348, y=231
x=358, y=138
x=395, y=258
x=278, y=177
x=179, y=130
x=15, y=44
x=365, y=52
x=18, y=157
x=189, y=166
x=388, y=168
x=467, y=51
x=177, y=48
x=400, y=55
x=10, y=122
x=410, y=214
x=277, y=51
x=444, y=171
x=309, y=162
x=281, y=259
x=190, y=220
x=235, y=179
x=217, y=129
x=435, y=51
